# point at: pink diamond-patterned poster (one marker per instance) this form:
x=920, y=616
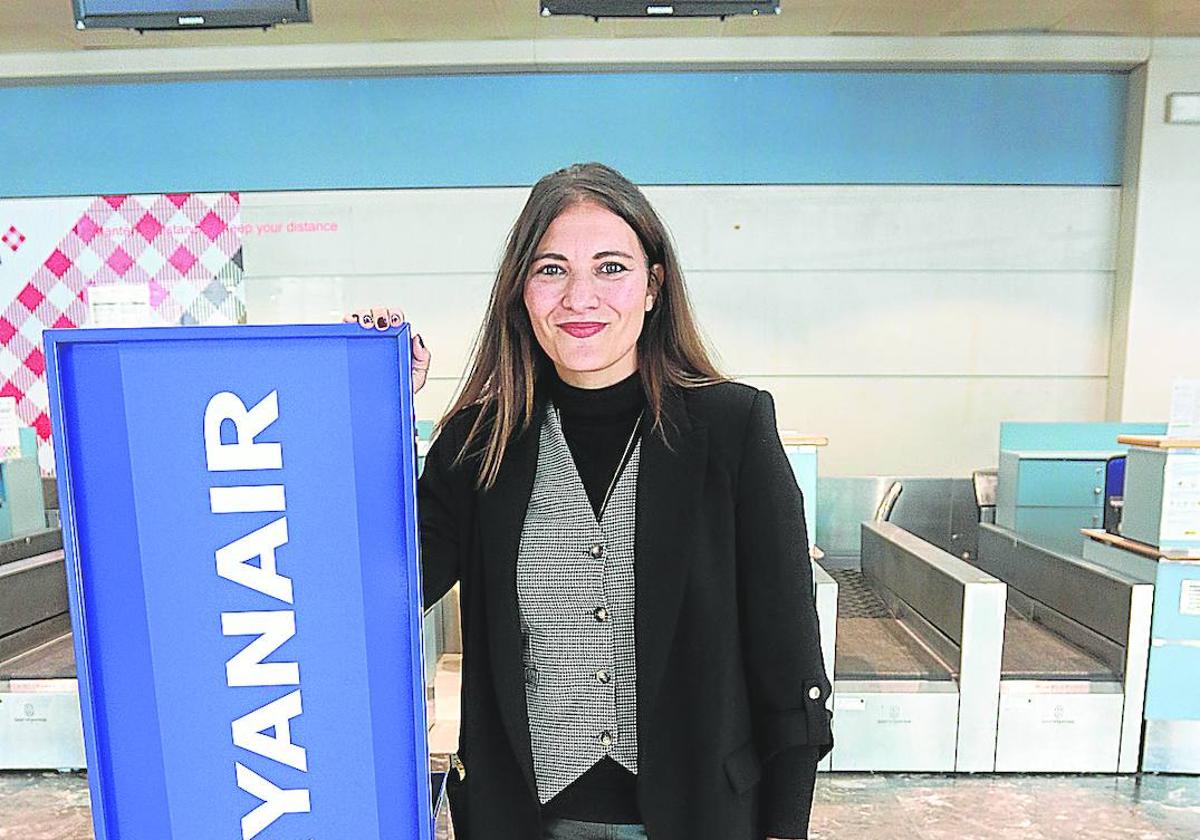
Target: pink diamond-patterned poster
x=181, y=251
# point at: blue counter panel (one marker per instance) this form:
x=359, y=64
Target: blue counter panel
x=246, y=599
x=509, y=129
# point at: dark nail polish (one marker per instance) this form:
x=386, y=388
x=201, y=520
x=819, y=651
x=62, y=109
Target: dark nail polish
x=420, y=341
x=381, y=323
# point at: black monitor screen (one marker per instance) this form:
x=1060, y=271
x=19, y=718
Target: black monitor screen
x=147, y=14
x=170, y=7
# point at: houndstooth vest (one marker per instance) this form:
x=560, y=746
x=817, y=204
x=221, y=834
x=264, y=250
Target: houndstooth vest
x=575, y=589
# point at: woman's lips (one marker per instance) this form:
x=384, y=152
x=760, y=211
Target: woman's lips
x=582, y=329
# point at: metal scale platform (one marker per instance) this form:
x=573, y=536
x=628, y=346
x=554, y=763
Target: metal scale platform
x=40, y=725
x=918, y=642
x=1073, y=673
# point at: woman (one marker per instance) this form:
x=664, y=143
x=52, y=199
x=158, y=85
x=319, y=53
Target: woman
x=641, y=656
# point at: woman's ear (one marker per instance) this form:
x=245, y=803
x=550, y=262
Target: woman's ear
x=654, y=284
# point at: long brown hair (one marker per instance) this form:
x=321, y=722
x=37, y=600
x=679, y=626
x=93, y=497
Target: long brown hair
x=507, y=362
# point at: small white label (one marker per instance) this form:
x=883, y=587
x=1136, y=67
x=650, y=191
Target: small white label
x=119, y=305
x=10, y=425
x=1181, y=498
x=1184, y=421
x=1189, y=597
x=1183, y=108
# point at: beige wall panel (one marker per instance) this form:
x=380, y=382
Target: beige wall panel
x=894, y=228
x=922, y=426
x=944, y=323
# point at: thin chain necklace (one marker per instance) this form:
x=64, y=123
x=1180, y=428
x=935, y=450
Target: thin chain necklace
x=612, y=485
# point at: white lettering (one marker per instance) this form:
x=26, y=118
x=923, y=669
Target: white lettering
x=244, y=453
x=275, y=802
x=247, y=668
x=250, y=561
x=233, y=561
x=249, y=732
x=267, y=498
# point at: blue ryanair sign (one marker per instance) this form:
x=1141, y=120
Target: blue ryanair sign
x=240, y=528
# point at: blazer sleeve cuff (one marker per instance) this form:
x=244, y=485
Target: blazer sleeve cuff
x=787, y=792
x=809, y=725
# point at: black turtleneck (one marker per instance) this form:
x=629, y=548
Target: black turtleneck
x=596, y=423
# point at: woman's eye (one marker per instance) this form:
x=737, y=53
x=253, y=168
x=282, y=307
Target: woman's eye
x=605, y=268
x=550, y=269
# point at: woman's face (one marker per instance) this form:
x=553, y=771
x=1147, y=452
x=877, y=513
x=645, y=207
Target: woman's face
x=587, y=294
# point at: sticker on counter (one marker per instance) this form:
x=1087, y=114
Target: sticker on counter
x=119, y=305
x=1189, y=597
x=1185, y=409
x=1181, y=497
x=10, y=424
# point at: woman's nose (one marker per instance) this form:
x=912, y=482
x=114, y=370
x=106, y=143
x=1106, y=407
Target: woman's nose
x=580, y=292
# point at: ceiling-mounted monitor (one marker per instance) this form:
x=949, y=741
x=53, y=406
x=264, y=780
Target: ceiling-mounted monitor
x=188, y=14
x=643, y=8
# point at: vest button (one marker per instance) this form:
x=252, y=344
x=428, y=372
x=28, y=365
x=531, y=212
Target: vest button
x=606, y=738
x=603, y=677
x=814, y=693
x=600, y=614
x=597, y=551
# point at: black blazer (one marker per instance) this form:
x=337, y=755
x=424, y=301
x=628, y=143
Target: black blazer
x=729, y=669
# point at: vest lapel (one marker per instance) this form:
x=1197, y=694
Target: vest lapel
x=501, y=517
x=670, y=485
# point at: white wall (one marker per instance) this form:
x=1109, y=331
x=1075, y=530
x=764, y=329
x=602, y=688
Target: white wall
x=903, y=322
x=1159, y=283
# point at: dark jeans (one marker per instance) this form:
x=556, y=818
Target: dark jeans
x=556, y=829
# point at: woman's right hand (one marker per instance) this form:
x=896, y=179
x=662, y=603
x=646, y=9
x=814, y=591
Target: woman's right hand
x=382, y=318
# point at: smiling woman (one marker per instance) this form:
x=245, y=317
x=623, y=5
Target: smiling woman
x=641, y=656
x=587, y=309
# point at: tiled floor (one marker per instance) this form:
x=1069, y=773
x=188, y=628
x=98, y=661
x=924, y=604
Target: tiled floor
x=49, y=806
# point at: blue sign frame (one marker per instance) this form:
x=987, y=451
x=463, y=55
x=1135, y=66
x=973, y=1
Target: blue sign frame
x=239, y=523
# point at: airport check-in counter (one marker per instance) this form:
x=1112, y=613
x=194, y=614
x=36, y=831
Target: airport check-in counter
x=917, y=657
x=1073, y=674
x=40, y=726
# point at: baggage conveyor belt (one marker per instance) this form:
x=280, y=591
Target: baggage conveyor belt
x=872, y=643
x=53, y=660
x=1034, y=652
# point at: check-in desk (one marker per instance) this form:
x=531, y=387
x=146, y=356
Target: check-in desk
x=1171, y=738
x=1073, y=672
x=1050, y=496
x=916, y=667
x=1052, y=477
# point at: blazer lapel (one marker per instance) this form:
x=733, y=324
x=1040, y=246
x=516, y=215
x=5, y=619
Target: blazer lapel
x=501, y=520
x=670, y=485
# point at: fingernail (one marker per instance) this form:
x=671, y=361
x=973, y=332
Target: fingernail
x=381, y=323
x=420, y=341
